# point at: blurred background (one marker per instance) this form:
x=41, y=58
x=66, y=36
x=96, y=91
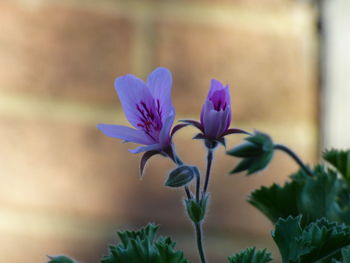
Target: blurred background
x=65, y=188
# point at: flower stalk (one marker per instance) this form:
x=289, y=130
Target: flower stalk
x=294, y=156
x=207, y=173
x=199, y=237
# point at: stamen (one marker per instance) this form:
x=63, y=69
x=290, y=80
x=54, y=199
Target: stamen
x=150, y=121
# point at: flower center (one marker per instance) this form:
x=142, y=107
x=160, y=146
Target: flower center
x=219, y=100
x=150, y=118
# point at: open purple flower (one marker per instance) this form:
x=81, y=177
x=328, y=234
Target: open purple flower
x=148, y=107
x=215, y=117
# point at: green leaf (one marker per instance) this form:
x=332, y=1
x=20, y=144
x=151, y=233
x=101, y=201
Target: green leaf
x=166, y=251
x=250, y=255
x=271, y=201
x=319, y=195
x=340, y=160
x=181, y=176
x=142, y=247
x=345, y=252
x=321, y=241
x=286, y=236
x=60, y=259
x=326, y=240
x=322, y=195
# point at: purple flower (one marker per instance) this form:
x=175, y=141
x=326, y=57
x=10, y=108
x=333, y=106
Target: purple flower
x=215, y=117
x=148, y=107
x=216, y=111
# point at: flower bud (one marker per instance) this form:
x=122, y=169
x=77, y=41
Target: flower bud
x=216, y=111
x=181, y=176
x=256, y=153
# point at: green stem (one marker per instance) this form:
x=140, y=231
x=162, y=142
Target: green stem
x=198, y=227
x=294, y=156
x=198, y=187
x=207, y=174
x=188, y=192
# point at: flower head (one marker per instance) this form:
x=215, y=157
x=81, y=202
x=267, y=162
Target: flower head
x=148, y=107
x=216, y=111
x=215, y=117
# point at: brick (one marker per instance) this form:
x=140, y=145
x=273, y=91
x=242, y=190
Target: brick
x=271, y=75
x=63, y=50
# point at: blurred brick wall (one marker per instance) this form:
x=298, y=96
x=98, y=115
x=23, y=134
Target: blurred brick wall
x=64, y=187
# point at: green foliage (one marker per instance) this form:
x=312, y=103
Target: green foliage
x=321, y=241
x=250, y=255
x=345, y=252
x=142, y=247
x=323, y=195
x=256, y=153
x=340, y=160
x=271, y=201
x=60, y=259
x=196, y=210
x=319, y=195
x=287, y=237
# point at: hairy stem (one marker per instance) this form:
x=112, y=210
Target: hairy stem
x=188, y=192
x=295, y=157
x=198, y=186
x=207, y=174
x=199, y=237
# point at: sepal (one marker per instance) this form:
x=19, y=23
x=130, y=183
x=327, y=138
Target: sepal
x=193, y=123
x=145, y=157
x=235, y=131
x=177, y=128
x=197, y=210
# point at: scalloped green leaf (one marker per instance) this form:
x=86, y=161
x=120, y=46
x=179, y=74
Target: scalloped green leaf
x=322, y=241
x=345, y=252
x=322, y=195
x=250, y=255
x=319, y=196
x=340, y=160
x=60, y=259
x=287, y=238
x=271, y=201
x=326, y=239
x=142, y=247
